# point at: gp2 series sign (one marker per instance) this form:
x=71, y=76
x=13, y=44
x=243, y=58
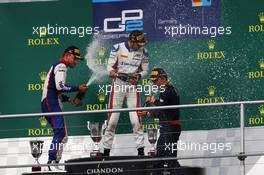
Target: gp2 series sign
x=130, y=20
x=116, y=19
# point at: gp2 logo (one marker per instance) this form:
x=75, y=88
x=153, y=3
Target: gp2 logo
x=130, y=20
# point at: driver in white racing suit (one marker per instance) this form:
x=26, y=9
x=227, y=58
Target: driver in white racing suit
x=127, y=64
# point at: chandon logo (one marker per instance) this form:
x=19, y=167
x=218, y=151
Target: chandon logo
x=105, y=171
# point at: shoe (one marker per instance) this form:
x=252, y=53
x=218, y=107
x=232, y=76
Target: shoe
x=106, y=152
x=54, y=167
x=141, y=151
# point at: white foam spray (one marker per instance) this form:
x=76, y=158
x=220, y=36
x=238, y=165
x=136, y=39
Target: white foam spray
x=98, y=71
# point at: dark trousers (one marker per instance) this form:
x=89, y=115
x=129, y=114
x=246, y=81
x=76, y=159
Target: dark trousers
x=167, y=142
x=167, y=145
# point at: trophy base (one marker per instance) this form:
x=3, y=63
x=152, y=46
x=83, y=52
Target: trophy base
x=152, y=153
x=96, y=154
x=36, y=168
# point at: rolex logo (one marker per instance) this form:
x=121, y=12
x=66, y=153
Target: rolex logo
x=261, y=63
x=261, y=17
x=261, y=109
x=211, y=44
x=43, y=76
x=101, y=97
x=43, y=122
x=101, y=52
x=212, y=98
x=211, y=90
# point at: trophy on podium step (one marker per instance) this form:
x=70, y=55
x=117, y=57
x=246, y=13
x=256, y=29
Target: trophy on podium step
x=96, y=131
x=36, y=151
x=152, y=138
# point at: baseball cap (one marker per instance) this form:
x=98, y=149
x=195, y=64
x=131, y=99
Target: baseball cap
x=75, y=51
x=157, y=73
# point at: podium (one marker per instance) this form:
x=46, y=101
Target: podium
x=122, y=167
x=138, y=167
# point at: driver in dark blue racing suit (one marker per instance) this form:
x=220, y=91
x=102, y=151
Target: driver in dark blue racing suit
x=170, y=128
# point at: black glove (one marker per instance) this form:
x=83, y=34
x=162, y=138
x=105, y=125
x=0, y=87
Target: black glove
x=64, y=98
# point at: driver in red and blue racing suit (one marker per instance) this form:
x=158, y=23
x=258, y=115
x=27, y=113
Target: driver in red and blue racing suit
x=52, y=98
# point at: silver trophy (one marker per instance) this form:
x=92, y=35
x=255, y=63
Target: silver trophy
x=96, y=131
x=152, y=138
x=36, y=151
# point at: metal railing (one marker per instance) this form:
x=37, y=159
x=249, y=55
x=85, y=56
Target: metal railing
x=241, y=156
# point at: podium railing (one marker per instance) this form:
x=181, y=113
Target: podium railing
x=241, y=156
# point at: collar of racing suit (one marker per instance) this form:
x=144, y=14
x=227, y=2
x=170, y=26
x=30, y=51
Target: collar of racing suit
x=127, y=46
x=62, y=60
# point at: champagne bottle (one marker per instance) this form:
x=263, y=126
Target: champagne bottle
x=78, y=98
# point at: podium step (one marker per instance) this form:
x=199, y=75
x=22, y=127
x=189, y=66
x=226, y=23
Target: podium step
x=130, y=168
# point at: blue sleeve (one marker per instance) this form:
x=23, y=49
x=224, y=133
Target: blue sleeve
x=66, y=88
